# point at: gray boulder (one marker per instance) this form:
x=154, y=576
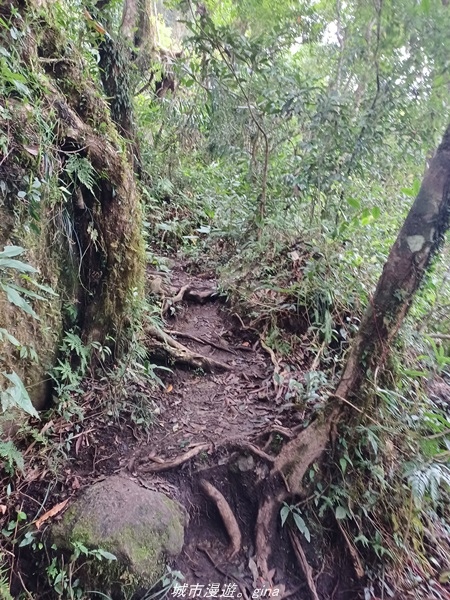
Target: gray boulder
x=142, y=528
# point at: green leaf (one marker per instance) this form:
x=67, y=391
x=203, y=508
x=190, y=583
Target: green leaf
x=376, y=212
x=354, y=203
x=10, y=263
x=284, y=512
x=11, y=339
x=425, y=6
x=106, y=554
x=301, y=526
x=15, y=298
x=27, y=540
x=45, y=288
x=16, y=396
x=341, y=512
x=10, y=251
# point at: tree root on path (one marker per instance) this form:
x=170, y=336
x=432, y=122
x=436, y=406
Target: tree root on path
x=199, y=296
x=164, y=344
x=202, y=341
x=284, y=480
x=166, y=465
x=227, y=516
x=289, y=467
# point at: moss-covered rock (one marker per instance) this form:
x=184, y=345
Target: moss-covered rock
x=142, y=528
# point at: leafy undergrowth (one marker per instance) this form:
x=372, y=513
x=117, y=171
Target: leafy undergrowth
x=386, y=488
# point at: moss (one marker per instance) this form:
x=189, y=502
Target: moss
x=141, y=544
x=108, y=285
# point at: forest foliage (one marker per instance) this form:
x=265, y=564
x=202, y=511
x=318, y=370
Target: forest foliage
x=280, y=144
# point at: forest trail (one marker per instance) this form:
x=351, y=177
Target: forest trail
x=224, y=427
x=200, y=407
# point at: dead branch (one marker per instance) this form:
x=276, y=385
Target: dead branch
x=227, y=515
x=307, y=570
x=165, y=465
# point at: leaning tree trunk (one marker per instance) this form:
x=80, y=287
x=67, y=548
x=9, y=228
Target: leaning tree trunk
x=418, y=240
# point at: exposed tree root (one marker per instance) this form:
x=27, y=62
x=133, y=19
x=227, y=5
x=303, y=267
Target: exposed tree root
x=199, y=296
x=299, y=453
x=166, y=345
x=301, y=557
x=202, y=341
x=249, y=447
x=166, y=465
x=228, y=518
x=226, y=574
x=290, y=467
x=273, y=358
x=265, y=531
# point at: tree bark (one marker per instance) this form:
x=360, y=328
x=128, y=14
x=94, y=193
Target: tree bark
x=418, y=241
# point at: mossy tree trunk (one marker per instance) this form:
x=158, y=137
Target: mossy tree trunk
x=125, y=56
x=105, y=217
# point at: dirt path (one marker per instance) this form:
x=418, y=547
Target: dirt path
x=220, y=415
x=198, y=407
x=212, y=445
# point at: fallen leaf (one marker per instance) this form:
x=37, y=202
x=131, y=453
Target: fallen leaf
x=33, y=150
x=51, y=513
x=169, y=388
x=2, y=509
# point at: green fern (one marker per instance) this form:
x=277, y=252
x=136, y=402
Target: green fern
x=432, y=479
x=4, y=586
x=12, y=459
x=80, y=170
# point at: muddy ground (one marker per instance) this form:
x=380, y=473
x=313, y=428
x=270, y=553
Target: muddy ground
x=223, y=426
